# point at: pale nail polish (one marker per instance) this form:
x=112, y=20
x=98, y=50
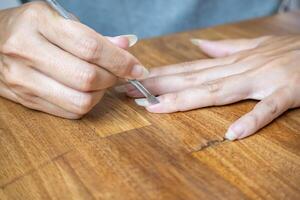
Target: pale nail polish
x=139, y=72
x=132, y=39
x=142, y=102
x=120, y=89
x=235, y=132
x=195, y=41
x=230, y=135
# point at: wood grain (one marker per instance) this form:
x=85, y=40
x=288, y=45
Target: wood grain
x=120, y=151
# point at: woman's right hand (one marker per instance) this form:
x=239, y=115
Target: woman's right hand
x=59, y=66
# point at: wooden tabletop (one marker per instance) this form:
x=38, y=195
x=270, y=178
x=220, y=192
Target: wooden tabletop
x=119, y=151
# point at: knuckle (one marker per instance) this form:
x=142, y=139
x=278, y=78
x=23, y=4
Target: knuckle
x=122, y=64
x=173, y=100
x=191, y=79
x=91, y=48
x=10, y=77
x=87, y=79
x=11, y=45
x=213, y=86
x=84, y=104
x=271, y=106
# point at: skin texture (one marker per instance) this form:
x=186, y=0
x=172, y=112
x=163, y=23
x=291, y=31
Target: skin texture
x=59, y=66
x=63, y=68
x=266, y=69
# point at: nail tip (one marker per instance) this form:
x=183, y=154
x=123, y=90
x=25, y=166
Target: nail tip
x=230, y=139
x=140, y=72
x=146, y=73
x=197, y=41
x=230, y=136
x=194, y=41
x=142, y=102
x=132, y=39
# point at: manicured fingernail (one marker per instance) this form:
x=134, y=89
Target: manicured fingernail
x=235, y=132
x=139, y=72
x=230, y=135
x=120, y=89
x=195, y=41
x=132, y=39
x=142, y=102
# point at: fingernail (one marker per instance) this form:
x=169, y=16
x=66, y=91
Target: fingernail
x=230, y=135
x=120, y=89
x=235, y=132
x=132, y=39
x=142, y=102
x=196, y=42
x=139, y=72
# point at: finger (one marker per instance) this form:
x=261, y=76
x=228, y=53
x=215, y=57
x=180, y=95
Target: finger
x=161, y=84
x=162, y=75
x=40, y=104
x=280, y=45
x=68, y=69
x=7, y=93
x=124, y=41
x=64, y=97
x=220, y=92
x=225, y=48
x=38, y=84
x=87, y=44
x=36, y=103
x=263, y=113
x=190, y=66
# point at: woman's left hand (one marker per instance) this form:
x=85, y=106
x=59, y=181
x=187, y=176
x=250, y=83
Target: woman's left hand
x=265, y=69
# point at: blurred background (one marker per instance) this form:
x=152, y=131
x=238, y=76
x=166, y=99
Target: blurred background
x=8, y=3
x=160, y=17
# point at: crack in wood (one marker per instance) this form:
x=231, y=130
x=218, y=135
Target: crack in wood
x=210, y=144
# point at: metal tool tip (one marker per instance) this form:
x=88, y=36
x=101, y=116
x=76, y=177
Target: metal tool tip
x=153, y=100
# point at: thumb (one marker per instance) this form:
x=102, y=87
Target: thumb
x=224, y=48
x=124, y=41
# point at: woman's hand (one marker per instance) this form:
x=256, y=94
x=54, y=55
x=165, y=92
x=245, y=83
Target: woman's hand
x=59, y=66
x=266, y=69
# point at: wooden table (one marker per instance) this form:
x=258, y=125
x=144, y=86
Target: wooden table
x=119, y=151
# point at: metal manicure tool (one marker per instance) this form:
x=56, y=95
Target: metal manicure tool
x=150, y=98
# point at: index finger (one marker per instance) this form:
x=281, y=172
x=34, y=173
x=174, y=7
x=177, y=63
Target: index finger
x=92, y=47
x=219, y=92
